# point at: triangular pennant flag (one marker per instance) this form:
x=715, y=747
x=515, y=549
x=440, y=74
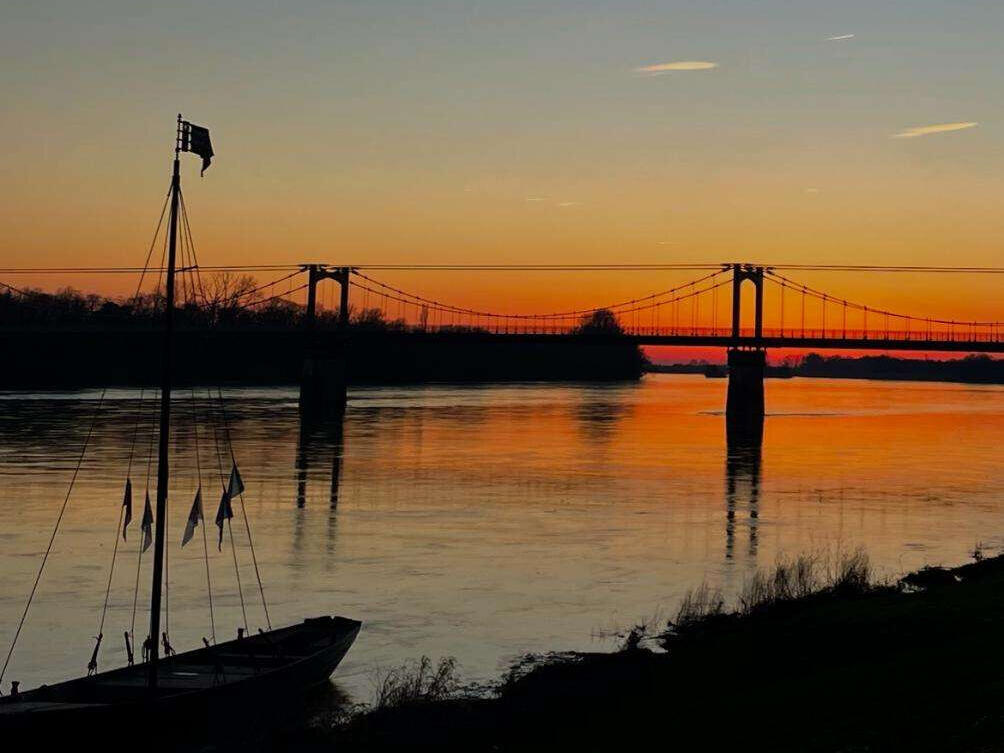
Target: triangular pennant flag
x=147, y=523
x=236, y=487
x=194, y=518
x=224, y=512
x=127, y=504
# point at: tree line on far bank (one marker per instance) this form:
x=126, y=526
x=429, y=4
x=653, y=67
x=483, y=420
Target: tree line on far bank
x=222, y=300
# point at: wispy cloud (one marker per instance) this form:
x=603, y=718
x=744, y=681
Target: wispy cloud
x=535, y=198
x=568, y=203
x=914, y=132
x=679, y=65
x=840, y=37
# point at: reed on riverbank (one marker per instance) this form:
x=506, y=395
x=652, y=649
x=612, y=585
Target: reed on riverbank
x=813, y=655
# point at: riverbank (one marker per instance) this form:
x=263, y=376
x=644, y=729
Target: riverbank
x=809, y=659
x=130, y=356
x=973, y=369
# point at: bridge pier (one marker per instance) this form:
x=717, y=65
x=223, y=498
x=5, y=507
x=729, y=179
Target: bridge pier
x=324, y=380
x=324, y=383
x=744, y=406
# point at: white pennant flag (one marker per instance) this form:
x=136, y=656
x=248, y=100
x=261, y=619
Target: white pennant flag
x=147, y=523
x=236, y=486
x=194, y=518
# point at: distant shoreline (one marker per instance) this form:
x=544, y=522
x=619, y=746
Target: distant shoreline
x=969, y=370
x=59, y=358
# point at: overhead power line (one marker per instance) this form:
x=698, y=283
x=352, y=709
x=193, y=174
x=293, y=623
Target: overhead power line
x=626, y=267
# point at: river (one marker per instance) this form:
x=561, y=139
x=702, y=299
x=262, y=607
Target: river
x=482, y=522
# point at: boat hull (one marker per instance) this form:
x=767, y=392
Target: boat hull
x=235, y=686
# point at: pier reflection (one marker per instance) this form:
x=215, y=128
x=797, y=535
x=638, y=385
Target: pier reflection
x=315, y=443
x=742, y=487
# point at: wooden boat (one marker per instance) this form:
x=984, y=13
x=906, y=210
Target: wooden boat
x=186, y=692
x=194, y=687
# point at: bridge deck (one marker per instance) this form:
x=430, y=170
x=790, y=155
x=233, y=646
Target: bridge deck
x=816, y=341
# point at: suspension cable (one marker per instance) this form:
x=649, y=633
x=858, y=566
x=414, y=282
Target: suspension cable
x=779, y=279
x=277, y=296
x=690, y=287
x=552, y=315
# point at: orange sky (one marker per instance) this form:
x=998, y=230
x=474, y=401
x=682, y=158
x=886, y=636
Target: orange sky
x=575, y=132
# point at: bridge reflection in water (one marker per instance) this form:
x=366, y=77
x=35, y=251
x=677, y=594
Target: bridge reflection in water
x=742, y=489
x=321, y=446
x=319, y=442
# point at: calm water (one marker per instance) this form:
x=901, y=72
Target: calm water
x=483, y=522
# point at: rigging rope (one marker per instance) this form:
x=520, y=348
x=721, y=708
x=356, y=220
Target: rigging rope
x=139, y=539
x=153, y=242
x=194, y=268
x=205, y=536
x=118, y=525
x=223, y=483
x=55, y=530
x=247, y=522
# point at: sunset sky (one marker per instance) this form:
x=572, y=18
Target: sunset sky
x=511, y=132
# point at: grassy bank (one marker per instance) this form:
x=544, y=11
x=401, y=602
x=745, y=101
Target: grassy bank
x=813, y=656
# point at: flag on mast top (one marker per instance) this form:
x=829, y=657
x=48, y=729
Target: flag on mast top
x=195, y=139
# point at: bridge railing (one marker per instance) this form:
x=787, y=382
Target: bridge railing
x=958, y=333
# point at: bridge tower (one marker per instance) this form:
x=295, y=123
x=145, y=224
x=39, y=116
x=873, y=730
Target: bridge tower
x=324, y=378
x=744, y=406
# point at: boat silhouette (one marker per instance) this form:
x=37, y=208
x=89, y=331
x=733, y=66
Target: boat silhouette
x=179, y=693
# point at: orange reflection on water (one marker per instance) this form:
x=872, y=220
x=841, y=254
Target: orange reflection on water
x=485, y=521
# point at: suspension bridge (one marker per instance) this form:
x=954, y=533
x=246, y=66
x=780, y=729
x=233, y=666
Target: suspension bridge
x=676, y=316
x=688, y=314
x=707, y=310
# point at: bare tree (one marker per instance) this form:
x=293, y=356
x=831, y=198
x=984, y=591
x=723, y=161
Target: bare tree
x=226, y=293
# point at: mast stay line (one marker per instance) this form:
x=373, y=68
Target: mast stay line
x=165, y=418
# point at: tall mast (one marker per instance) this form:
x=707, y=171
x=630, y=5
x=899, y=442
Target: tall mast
x=165, y=418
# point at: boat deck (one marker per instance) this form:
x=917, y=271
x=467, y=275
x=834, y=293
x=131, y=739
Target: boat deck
x=288, y=658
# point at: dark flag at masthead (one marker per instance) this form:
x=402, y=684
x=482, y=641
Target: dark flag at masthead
x=195, y=139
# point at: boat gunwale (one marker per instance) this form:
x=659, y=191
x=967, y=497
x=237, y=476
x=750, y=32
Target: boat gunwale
x=342, y=628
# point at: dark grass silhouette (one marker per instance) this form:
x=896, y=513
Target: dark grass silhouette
x=813, y=656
